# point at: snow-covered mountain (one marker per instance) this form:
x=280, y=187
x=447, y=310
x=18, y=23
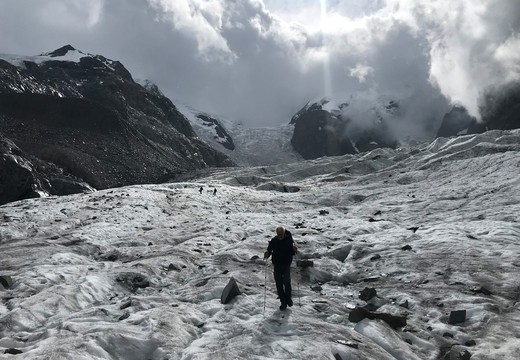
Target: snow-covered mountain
x=376, y=107
x=78, y=116
x=354, y=123
x=245, y=146
x=415, y=256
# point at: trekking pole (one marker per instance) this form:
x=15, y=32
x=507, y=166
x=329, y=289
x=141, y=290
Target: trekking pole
x=299, y=279
x=265, y=284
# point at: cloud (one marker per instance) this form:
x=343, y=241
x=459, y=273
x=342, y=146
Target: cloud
x=507, y=55
x=473, y=45
x=259, y=61
x=202, y=20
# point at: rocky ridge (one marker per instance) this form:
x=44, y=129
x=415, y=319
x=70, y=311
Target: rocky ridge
x=324, y=127
x=499, y=110
x=85, y=115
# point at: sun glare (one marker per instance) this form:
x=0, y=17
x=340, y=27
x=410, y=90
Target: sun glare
x=323, y=18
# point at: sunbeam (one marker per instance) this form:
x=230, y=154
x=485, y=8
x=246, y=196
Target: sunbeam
x=327, y=81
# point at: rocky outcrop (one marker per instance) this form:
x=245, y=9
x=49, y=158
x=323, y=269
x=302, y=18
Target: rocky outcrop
x=395, y=321
x=278, y=186
x=133, y=280
x=456, y=122
x=457, y=317
x=17, y=180
x=6, y=281
x=341, y=253
x=499, y=110
x=319, y=133
x=85, y=115
x=230, y=291
x=367, y=293
x=221, y=135
x=324, y=130
x=23, y=176
x=13, y=351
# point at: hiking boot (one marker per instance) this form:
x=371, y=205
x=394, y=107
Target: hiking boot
x=289, y=303
x=283, y=306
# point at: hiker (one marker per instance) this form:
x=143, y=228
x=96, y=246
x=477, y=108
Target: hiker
x=200, y=190
x=282, y=248
x=215, y=191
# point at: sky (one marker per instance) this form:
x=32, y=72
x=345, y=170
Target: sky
x=260, y=61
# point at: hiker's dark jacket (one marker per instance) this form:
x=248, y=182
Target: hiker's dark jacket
x=282, y=249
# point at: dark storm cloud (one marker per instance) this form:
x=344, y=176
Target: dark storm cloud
x=244, y=59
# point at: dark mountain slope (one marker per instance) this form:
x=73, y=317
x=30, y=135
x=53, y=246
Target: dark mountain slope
x=499, y=110
x=85, y=114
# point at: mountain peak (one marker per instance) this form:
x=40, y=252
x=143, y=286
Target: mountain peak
x=62, y=51
x=150, y=86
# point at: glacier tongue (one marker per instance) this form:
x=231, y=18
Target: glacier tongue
x=137, y=272
x=250, y=146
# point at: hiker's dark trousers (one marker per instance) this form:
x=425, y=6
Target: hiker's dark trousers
x=282, y=276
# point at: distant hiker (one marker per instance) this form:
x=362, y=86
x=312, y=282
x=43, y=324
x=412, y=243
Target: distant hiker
x=200, y=190
x=282, y=248
x=214, y=191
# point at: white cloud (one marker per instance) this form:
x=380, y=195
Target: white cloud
x=472, y=44
x=201, y=20
x=260, y=60
x=361, y=72
x=507, y=55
